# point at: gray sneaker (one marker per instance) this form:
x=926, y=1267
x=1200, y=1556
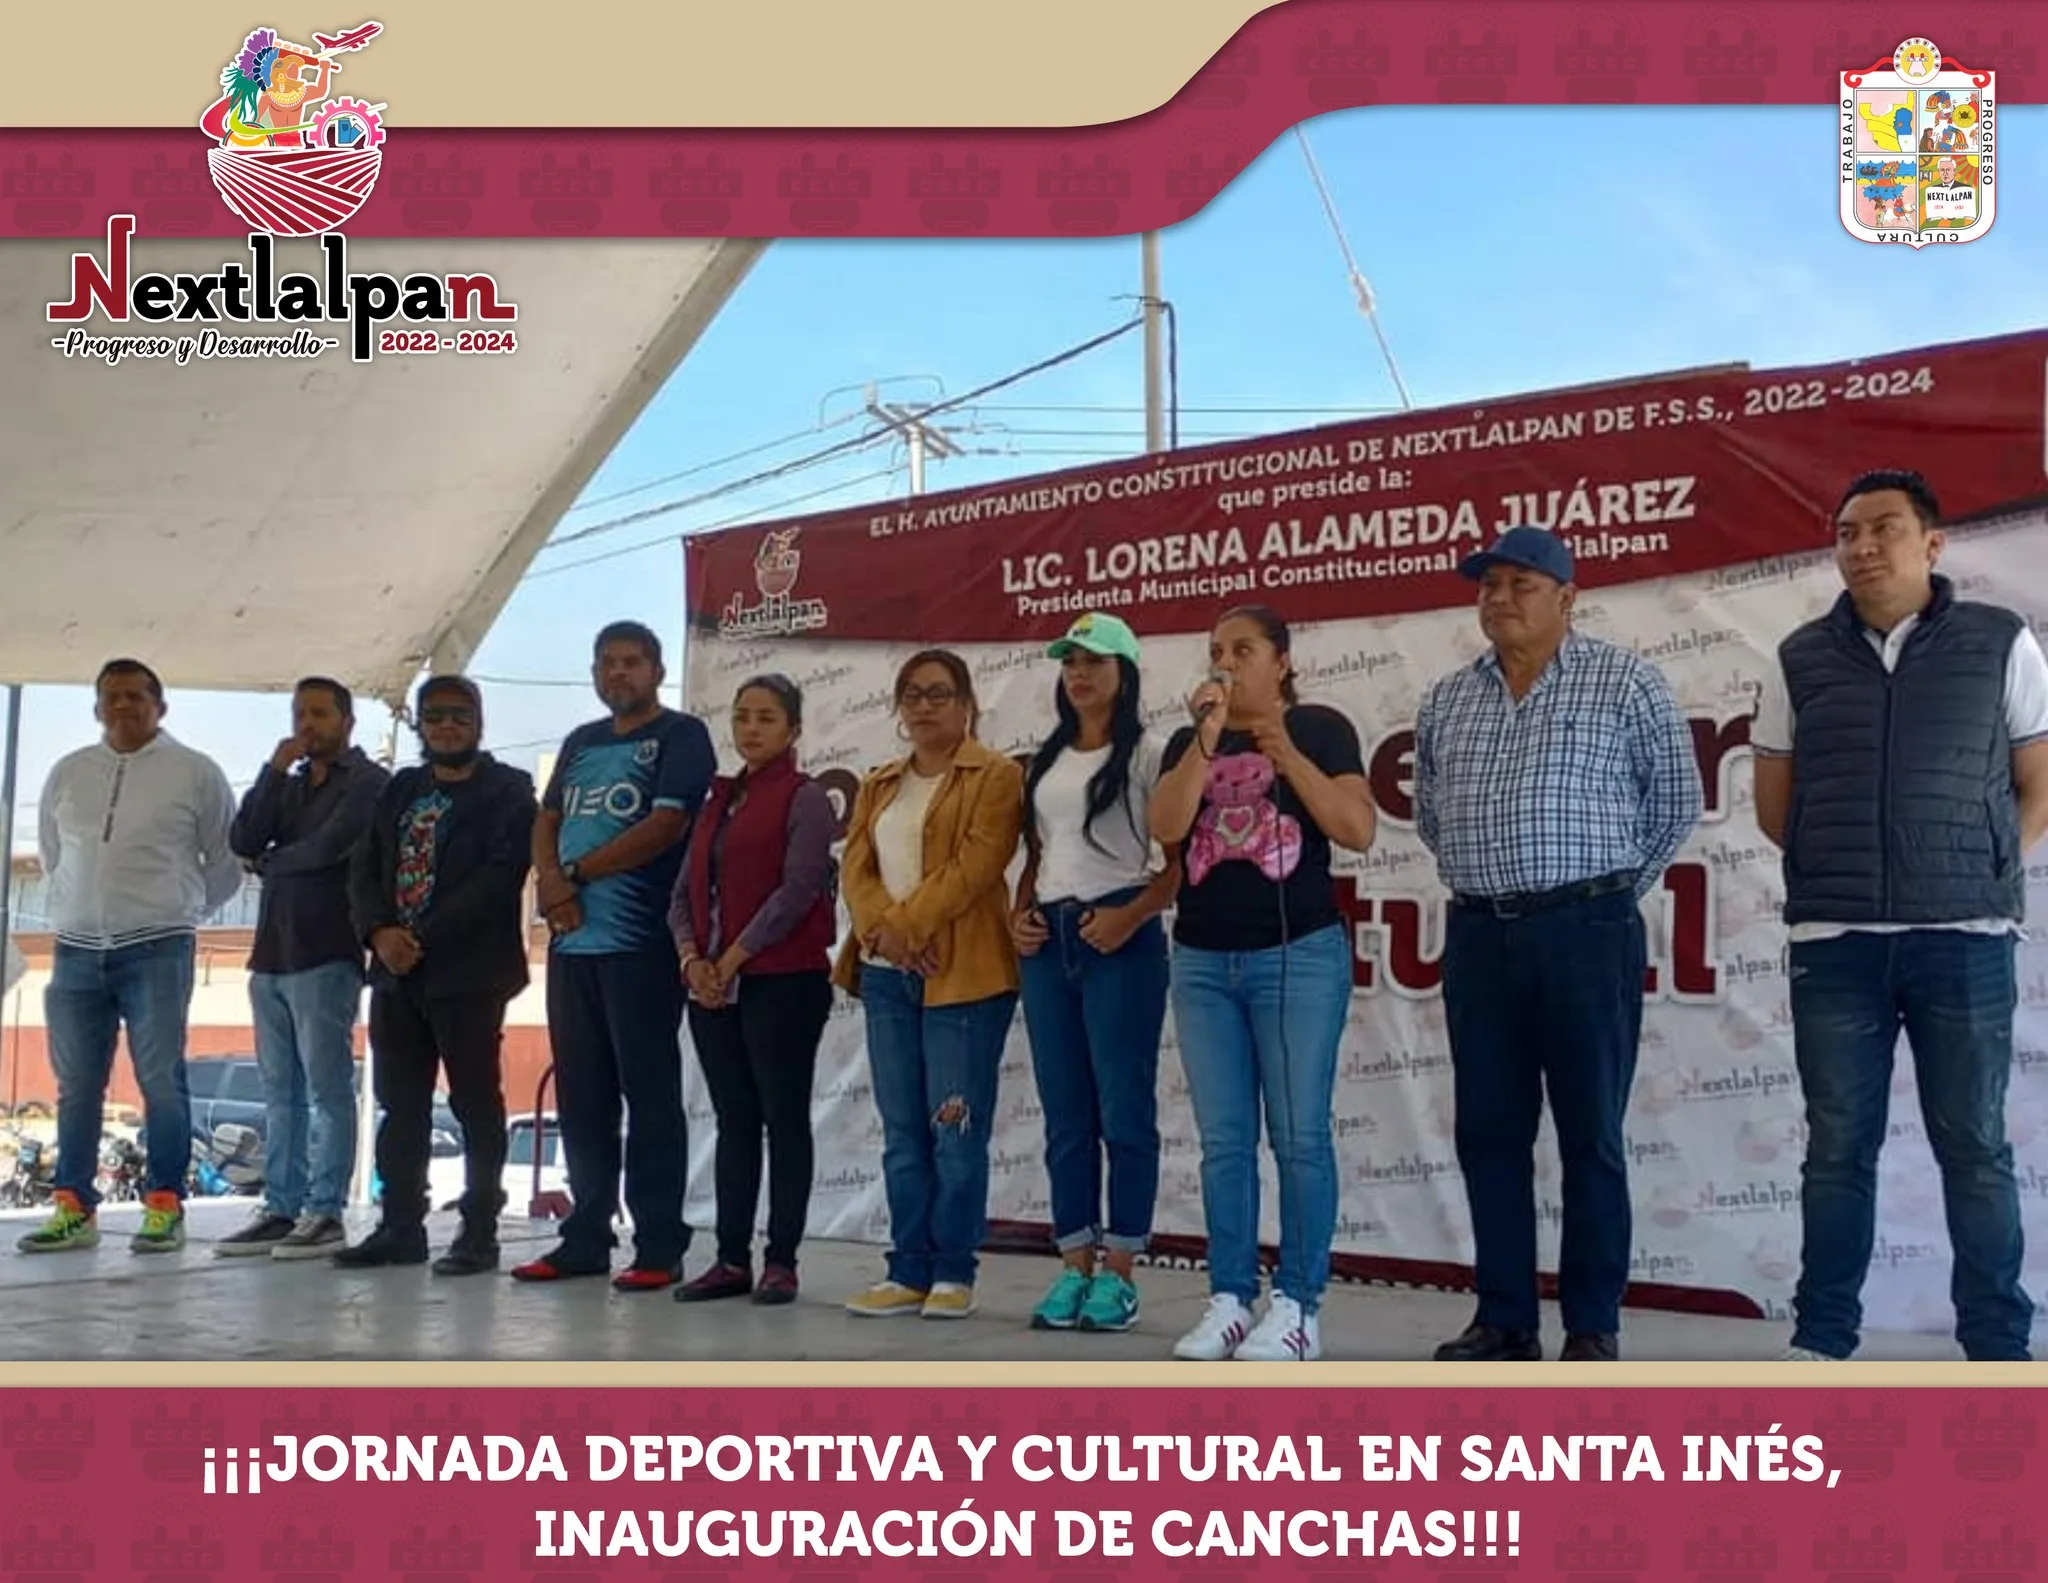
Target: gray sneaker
x=257, y=1239
x=314, y=1237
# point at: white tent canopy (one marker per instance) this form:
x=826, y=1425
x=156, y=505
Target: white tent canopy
x=239, y=521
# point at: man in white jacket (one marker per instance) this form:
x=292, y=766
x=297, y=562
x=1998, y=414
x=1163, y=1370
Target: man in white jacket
x=134, y=838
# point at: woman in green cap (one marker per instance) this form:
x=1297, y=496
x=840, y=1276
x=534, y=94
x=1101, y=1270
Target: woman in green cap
x=1093, y=960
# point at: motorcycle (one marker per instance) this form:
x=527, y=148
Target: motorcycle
x=228, y=1162
x=122, y=1170
x=34, y=1178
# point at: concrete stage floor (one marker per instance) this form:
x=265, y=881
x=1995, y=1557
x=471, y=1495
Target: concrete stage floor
x=109, y=1304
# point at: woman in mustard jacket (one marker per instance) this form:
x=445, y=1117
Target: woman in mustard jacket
x=930, y=956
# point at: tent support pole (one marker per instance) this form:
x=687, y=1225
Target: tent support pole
x=10, y=770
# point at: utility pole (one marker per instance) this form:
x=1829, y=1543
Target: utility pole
x=923, y=439
x=1155, y=345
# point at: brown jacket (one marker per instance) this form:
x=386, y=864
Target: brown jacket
x=963, y=907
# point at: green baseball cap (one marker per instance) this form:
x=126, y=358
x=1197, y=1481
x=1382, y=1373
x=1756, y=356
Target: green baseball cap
x=1098, y=634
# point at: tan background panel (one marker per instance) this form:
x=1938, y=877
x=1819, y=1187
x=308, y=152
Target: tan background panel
x=639, y=63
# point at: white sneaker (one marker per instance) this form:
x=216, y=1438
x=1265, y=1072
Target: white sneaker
x=1806, y=1355
x=1284, y=1335
x=1224, y=1325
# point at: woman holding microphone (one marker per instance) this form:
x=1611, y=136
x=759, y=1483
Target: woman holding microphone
x=1255, y=792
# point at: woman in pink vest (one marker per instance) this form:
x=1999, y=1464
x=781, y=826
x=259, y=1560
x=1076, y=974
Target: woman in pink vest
x=753, y=918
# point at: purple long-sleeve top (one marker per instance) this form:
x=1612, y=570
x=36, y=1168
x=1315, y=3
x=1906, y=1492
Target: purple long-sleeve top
x=806, y=871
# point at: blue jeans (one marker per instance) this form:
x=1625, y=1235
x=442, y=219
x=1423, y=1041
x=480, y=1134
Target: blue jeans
x=1954, y=994
x=305, y=1046
x=1550, y=1003
x=1265, y=1025
x=92, y=995
x=934, y=1070
x=1095, y=1022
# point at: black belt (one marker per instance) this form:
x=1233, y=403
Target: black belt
x=1535, y=901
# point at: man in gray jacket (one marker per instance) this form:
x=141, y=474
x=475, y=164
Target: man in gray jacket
x=134, y=839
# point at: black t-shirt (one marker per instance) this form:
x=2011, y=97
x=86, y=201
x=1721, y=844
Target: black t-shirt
x=1256, y=869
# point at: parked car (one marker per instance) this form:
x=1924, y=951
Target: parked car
x=227, y=1091
x=445, y=1181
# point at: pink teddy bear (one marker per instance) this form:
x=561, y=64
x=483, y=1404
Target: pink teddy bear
x=1241, y=821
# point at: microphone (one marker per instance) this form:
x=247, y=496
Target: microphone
x=1220, y=678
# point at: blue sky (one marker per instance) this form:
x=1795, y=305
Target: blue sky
x=1509, y=249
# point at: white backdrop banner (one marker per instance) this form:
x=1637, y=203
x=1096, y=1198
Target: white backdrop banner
x=1715, y=1132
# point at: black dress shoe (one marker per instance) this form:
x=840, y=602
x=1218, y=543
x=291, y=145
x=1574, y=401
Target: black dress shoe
x=387, y=1245
x=471, y=1253
x=1485, y=1344
x=1590, y=1347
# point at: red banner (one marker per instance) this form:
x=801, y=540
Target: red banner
x=1437, y=1483
x=1678, y=474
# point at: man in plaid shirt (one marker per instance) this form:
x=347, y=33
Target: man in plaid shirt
x=1555, y=780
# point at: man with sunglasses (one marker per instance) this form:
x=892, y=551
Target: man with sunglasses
x=607, y=847
x=437, y=893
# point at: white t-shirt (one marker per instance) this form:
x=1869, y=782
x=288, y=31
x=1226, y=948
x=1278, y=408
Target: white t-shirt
x=1121, y=854
x=2026, y=720
x=899, y=834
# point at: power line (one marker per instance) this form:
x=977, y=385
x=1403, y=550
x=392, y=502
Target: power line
x=1118, y=434
x=536, y=742
x=844, y=447
x=713, y=465
x=774, y=510
x=1103, y=454
x=1359, y=284
x=1234, y=411
x=735, y=487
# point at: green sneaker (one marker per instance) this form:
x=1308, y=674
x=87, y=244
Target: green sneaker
x=1111, y=1304
x=163, y=1225
x=71, y=1226
x=1060, y=1308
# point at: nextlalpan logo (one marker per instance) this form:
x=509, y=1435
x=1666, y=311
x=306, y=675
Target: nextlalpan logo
x=776, y=565
x=1916, y=153
x=292, y=158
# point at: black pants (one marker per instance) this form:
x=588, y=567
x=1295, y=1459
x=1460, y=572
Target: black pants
x=758, y=1058
x=1548, y=1004
x=616, y=1022
x=413, y=1037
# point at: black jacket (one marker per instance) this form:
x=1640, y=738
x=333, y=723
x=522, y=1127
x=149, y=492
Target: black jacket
x=474, y=929
x=300, y=839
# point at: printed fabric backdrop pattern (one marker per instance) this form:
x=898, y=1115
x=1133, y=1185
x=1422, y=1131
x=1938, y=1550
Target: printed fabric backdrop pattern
x=1715, y=1132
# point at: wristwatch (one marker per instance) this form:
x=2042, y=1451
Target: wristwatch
x=572, y=871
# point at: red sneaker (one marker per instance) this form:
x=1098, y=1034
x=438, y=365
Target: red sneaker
x=646, y=1278
x=559, y=1265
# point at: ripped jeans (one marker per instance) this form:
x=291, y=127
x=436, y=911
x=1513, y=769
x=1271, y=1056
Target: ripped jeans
x=934, y=1070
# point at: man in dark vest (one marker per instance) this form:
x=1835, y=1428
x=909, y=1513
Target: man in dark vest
x=1901, y=762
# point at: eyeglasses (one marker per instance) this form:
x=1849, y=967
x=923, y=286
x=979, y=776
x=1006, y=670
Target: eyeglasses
x=448, y=715
x=938, y=697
